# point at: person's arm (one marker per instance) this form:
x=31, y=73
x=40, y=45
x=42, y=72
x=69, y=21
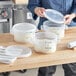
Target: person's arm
x=70, y=17
x=32, y=4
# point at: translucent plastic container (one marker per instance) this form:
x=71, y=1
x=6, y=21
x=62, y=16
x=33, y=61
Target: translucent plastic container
x=45, y=42
x=58, y=29
x=24, y=32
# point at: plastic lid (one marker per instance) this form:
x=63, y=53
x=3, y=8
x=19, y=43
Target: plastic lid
x=18, y=51
x=54, y=16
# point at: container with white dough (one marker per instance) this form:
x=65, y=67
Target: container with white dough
x=45, y=42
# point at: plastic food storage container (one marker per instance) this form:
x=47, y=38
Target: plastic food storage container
x=24, y=32
x=58, y=29
x=45, y=42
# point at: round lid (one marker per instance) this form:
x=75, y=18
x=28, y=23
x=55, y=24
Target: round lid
x=54, y=16
x=24, y=27
x=18, y=51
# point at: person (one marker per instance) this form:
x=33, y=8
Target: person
x=68, y=9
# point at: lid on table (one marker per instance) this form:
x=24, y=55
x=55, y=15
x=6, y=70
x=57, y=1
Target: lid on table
x=18, y=51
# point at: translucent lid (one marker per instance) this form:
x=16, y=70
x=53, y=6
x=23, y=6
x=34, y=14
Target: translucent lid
x=18, y=51
x=54, y=16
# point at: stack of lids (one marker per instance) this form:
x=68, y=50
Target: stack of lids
x=11, y=53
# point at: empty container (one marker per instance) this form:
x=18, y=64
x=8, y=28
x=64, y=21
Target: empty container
x=55, y=23
x=24, y=32
x=58, y=29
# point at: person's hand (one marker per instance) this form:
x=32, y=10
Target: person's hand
x=39, y=11
x=68, y=18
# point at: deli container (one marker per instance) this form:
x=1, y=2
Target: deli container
x=45, y=42
x=24, y=32
x=58, y=29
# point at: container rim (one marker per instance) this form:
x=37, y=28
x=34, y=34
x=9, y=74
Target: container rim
x=25, y=25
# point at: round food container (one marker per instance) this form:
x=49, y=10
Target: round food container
x=45, y=42
x=58, y=29
x=24, y=32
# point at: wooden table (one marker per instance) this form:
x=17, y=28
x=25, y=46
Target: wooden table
x=61, y=56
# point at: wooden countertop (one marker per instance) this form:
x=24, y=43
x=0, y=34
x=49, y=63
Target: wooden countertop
x=61, y=56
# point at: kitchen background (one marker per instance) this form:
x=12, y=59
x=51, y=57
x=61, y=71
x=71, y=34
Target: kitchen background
x=17, y=15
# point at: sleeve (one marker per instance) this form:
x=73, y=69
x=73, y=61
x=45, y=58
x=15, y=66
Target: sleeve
x=74, y=9
x=74, y=6
x=32, y=4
